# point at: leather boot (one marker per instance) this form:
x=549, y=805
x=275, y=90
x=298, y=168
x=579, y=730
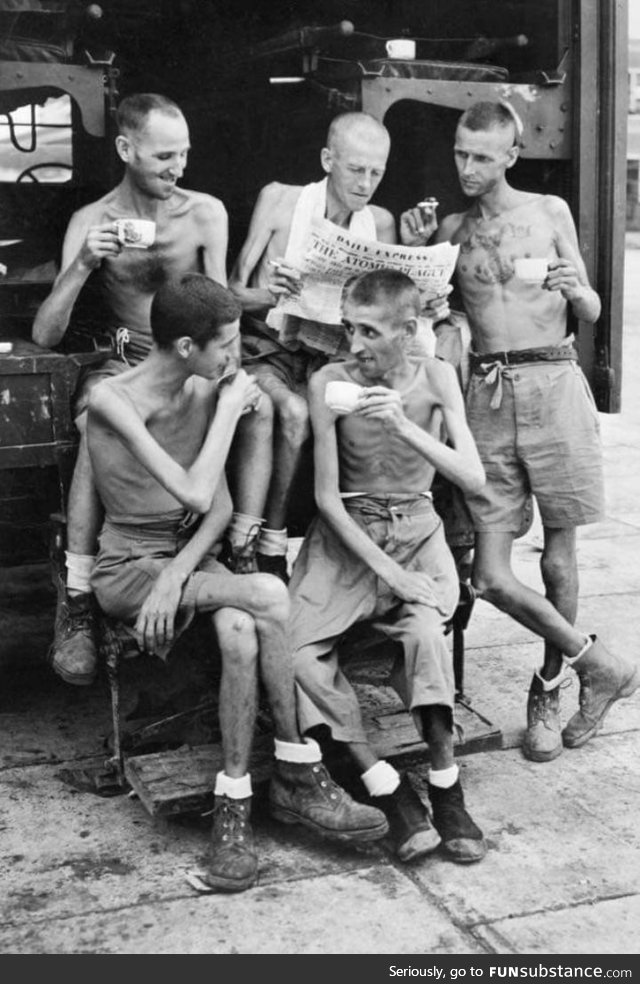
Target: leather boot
x=232, y=865
x=462, y=839
x=604, y=678
x=543, y=737
x=412, y=832
x=73, y=654
x=305, y=793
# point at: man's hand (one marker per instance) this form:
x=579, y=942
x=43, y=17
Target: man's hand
x=417, y=225
x=100, y=241
x=155, y=625
x=380, y=403
x=286, y=280
x=563, y=276
x=414, y=587
x=437, y=308
x=241, y=391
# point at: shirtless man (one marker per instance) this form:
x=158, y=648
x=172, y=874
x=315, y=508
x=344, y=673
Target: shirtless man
x=354, y=161
x=190, y=235
x=533, y=418
x=158, y=438
x=377, y=552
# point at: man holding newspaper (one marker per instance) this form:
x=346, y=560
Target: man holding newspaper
x=303, y=245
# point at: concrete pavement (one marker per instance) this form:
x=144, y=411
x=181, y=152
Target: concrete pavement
x=83, y=874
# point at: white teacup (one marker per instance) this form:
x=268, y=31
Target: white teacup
x=533, y=269
x=401, y=48
x=341, y=396
x=136, y=233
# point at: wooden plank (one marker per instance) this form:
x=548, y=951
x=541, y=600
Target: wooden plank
x=181, y=781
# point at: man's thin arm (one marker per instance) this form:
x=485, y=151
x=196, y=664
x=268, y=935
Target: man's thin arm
x=195, y=486
x=209, y=531
x=327, y=488
x=216, y=239
x=460, y=463
x=54, y=313
x=261, y=229
x=584, y=300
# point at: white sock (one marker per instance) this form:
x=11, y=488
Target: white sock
x=551, y=684
x=444, y=778
x=79, y=568
x=381, y=779
x=243, y=529
x=235, y=789
x=570, y=660
x=273, y=543
x=291, y=751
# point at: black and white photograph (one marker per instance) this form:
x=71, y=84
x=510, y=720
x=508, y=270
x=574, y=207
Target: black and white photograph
x=282, y=282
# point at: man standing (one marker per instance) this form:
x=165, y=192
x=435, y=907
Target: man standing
x=376, y=552
x=190, y=235
x=283, y=352
x=158, y=437
x=532, y=416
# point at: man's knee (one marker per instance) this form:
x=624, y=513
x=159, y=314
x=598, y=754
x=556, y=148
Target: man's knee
x=557, y=568
x=262, y=416
x=293, y=413
x=258, y=423
x=270, y=598
x=237, y=638
x=492, y=585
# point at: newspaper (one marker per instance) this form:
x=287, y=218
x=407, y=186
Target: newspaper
x=333, y=256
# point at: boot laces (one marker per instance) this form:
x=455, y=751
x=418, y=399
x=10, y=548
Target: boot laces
x=331, y=788
x=232, y=818
x=78, y=620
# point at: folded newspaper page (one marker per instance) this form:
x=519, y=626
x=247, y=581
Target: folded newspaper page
x=333, y=257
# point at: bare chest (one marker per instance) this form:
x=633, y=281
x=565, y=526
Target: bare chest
x=488, y=250
x=177, y=249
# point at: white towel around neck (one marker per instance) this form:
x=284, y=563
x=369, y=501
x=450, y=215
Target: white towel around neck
x=311, y=206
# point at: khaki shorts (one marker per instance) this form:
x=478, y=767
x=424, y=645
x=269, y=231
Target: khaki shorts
x=543, y=438
x=332, y=589
x=286, y=371
x=130, y=347
x=129, y=561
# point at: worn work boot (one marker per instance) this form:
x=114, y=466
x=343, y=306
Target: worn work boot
x=73, y=654
x=305, y=793
x=232, y=865
x=273, y=565
x=543, y=737
x=604, y=678
x=462, y=840
x=412, y=832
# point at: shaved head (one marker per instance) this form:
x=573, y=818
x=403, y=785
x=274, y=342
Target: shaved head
x=356, y=125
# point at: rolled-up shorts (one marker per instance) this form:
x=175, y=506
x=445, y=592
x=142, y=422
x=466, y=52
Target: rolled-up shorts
x=279, y=364
x=543, y=438
x=131, y=558
x=332, y=589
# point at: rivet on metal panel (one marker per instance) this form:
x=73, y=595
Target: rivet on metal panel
x=563, y=107
x=552, y=144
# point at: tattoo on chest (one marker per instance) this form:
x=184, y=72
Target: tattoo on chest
x=490, y=263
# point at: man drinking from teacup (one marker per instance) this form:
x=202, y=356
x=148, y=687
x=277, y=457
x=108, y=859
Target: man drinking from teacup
x=532, y=415
x=129, y=242
x=377, y=552
x=283, y=352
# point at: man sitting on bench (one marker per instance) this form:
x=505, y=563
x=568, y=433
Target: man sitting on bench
x=377, y=552
x=158, y=438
